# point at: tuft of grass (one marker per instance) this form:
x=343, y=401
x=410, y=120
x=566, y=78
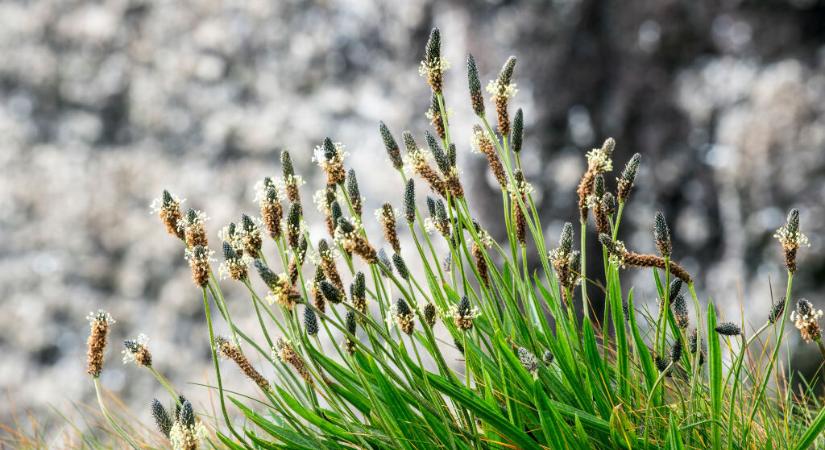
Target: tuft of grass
x=457, y=340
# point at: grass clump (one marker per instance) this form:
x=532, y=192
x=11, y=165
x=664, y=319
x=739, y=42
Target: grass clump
x=479, y=349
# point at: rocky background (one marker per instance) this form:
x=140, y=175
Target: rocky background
x=103, y=104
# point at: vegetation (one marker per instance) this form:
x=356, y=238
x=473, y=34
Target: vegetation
x=537, y=368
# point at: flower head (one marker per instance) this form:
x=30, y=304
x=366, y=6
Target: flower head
x=791, y=239
x=99, y=322
x=168, y=209
x=806, y=320
x=463, y=314
x=137, y=351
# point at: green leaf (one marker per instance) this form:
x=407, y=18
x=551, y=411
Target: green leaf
x=715, y=367
x=813, y=432
x=674, y=438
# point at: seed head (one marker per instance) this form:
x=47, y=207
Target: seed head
x=310, y=321
x=547, y=358
x=476, y=98
x=806, y=320
x=776, y=310
x=661, y=234
x=501, y=90
x=404, y=316
x=199, y=258
x=675, y=288
x=285, y=352
x=271, y=210
x=662, y=364
x=330, y=157
x=680, y=312
x=628, y=176
x=676, y=351
x=358, y=293
x=162, y=419
x=168, y=209
x=463, y=314
x=566, y=238
x=251, y=236
x=433, y=66
x=518, y=131
x=331, y=293
x=435, y=116
x=438, y=154
x=400, y=266
x=608, y=204
x=430, y=315
x=386, y=217
x=291, y=181
x=185, y=433
x=349, y=343
x=791, y=239
x=392, y=147
x=409, y=201
x=386, y=262
x=137, y=351
x=99, y=323
x=193, y=229
x=234, y=353
x=693, y=341
x=293, y=230
x=354, y=192
x=728, y=329
x=315, y=289
x=528, y=361
x=485, y=147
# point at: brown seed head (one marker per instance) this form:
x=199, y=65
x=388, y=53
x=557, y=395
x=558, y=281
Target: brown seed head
x=232, y=352
x=99, y=323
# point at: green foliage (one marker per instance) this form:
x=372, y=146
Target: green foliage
x=517, y=364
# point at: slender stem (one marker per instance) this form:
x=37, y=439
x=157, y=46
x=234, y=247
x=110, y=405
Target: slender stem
x=217, y=365
x=165, y=383
x=123, y=434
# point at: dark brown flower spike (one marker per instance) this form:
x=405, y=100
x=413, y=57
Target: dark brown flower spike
x=193, y=228
x=137, y=351
x=234, y=353
x=598, y=162
x=271, y=209
x=404, y=316
x=485, y=147
x=518, y=131
x=199, y=258
x=661, y=235
x=620, y=256
x=417, y=158
x=791, y=239
x=628, y=176
x=358, y=293
x=409, y=201
x=476, y=99
x=168, y=209
x=436, y=119
x=99, y=324
x=285, y=352
x=291, y=181
x=352, y=327
x=354, y=192
x=501, y=90
x=463, y=314
x=386, y=217
x=393, y=150
x=433, y=66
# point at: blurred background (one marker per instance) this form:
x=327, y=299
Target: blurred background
x=104, y=104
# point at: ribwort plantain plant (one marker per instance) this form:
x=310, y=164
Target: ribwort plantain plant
x=427, y=352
